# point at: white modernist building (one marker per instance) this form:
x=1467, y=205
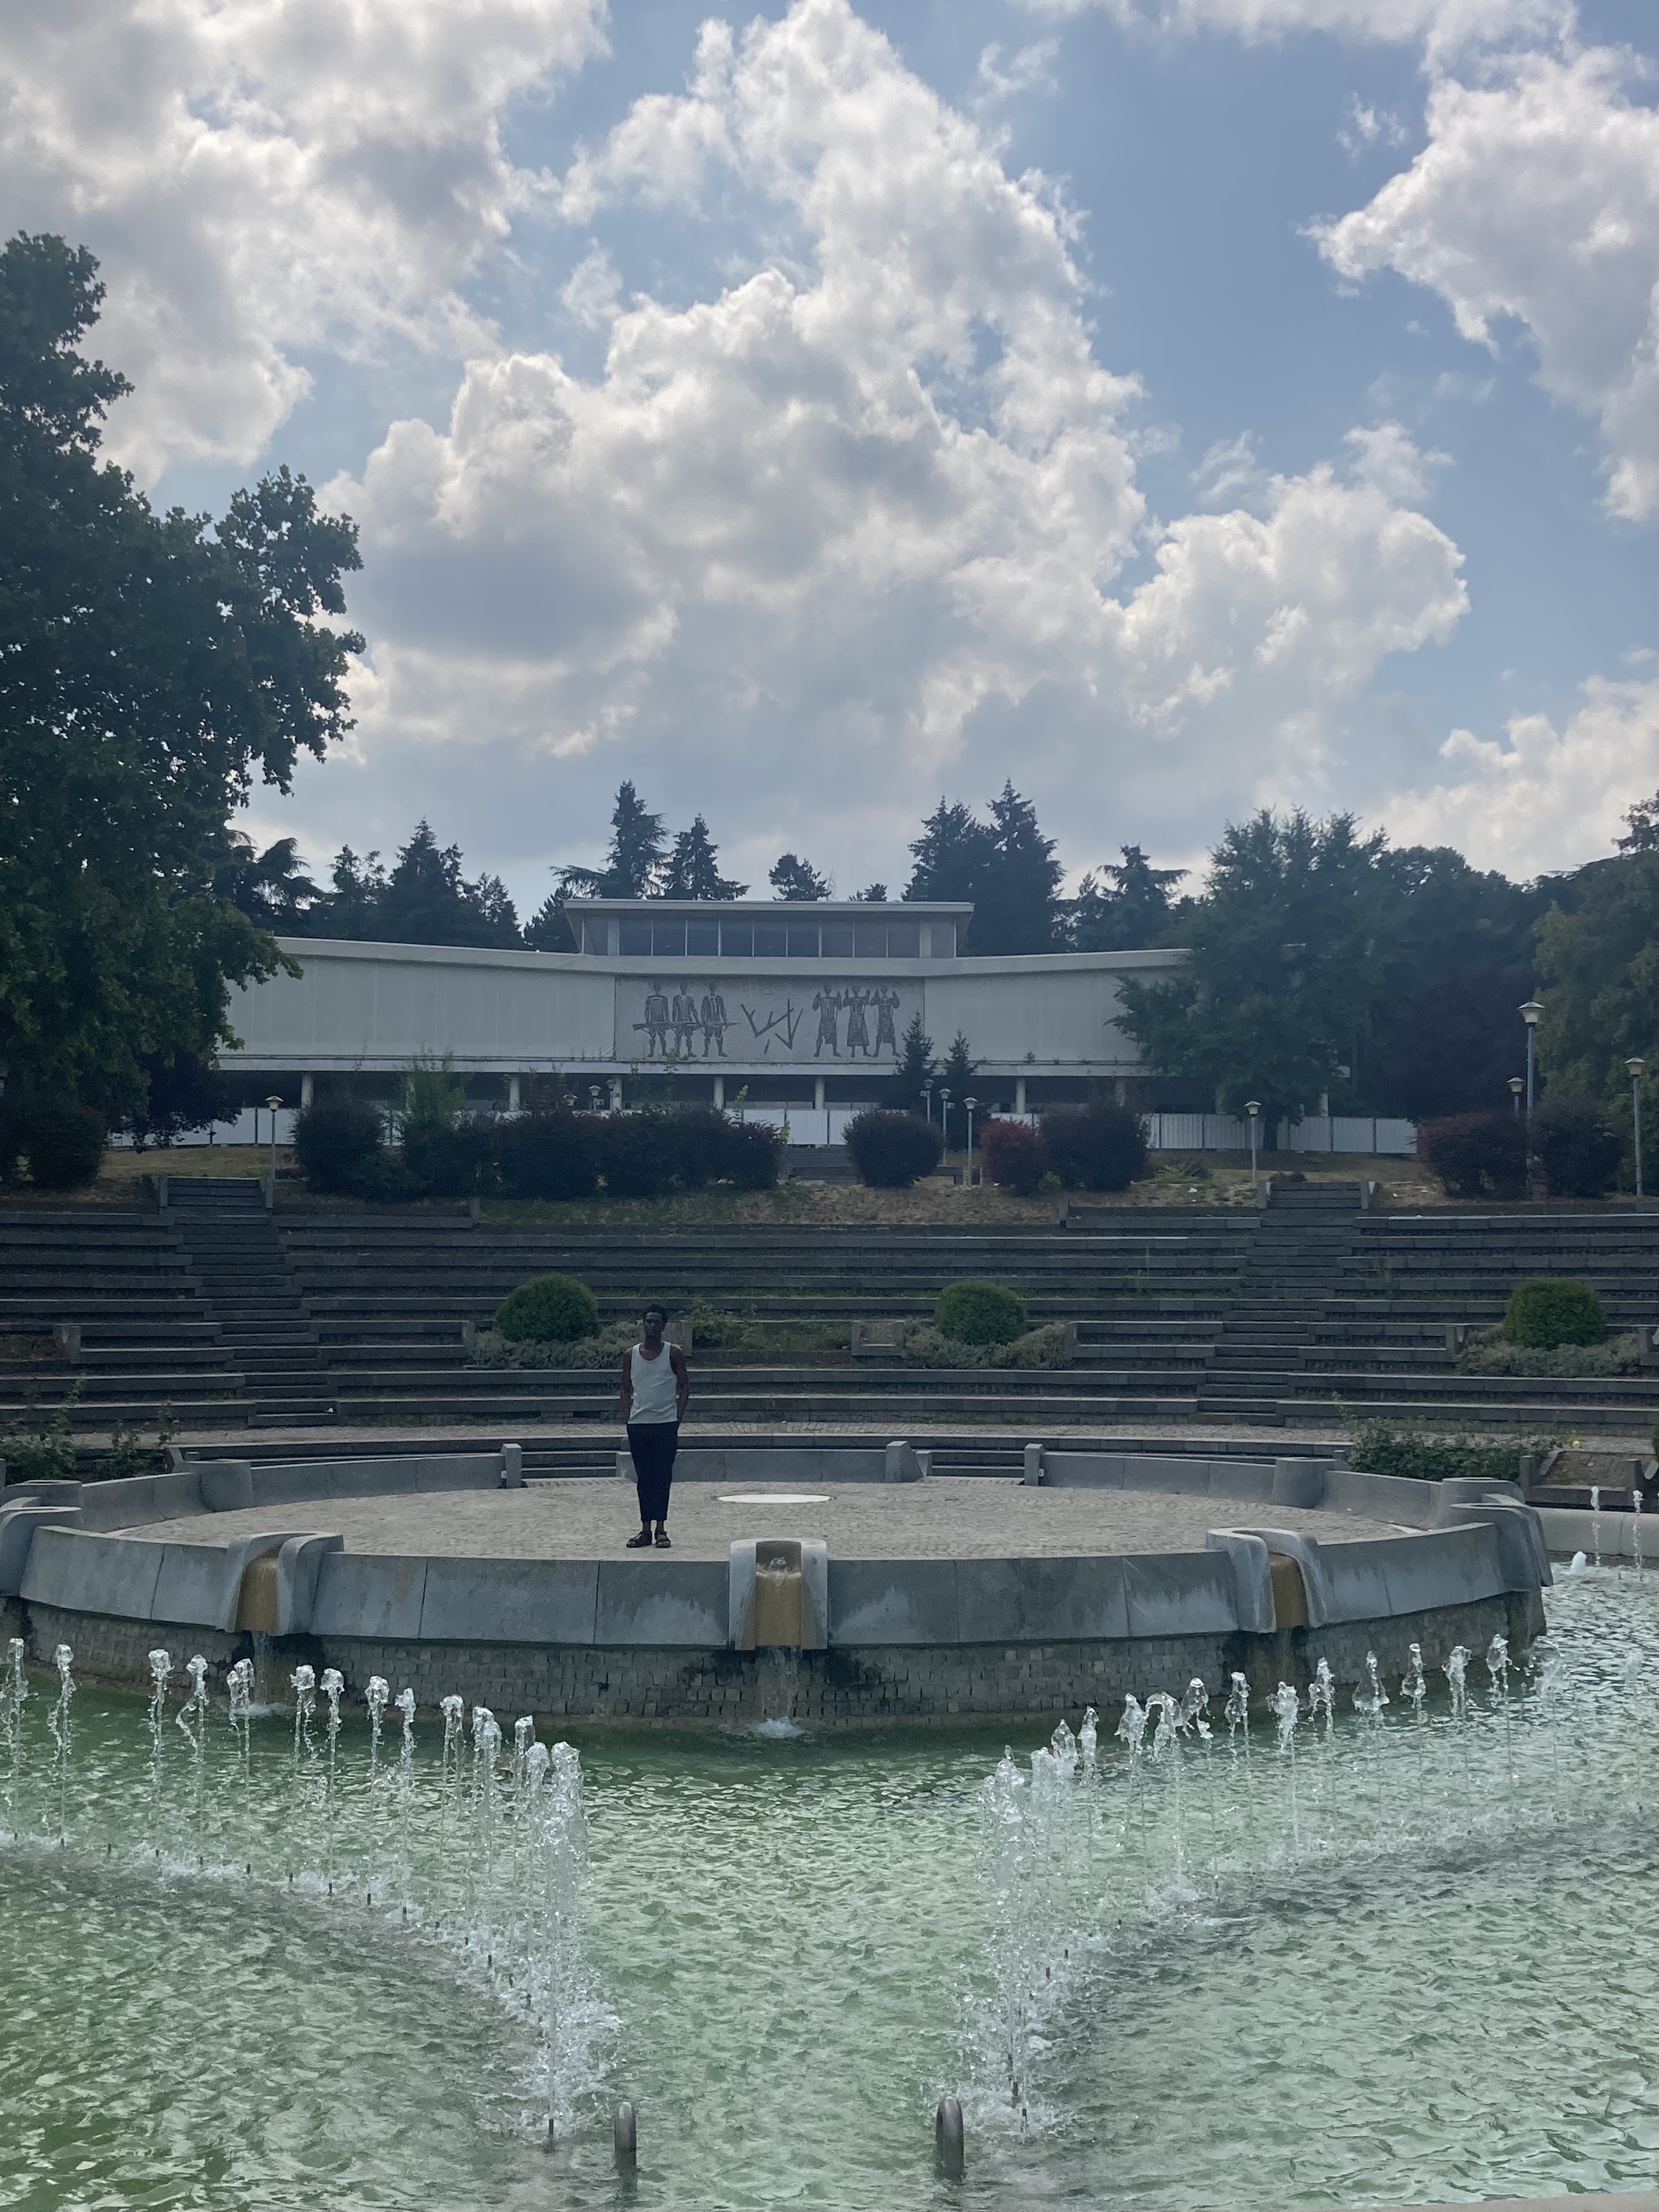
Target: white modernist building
x=795, y=1006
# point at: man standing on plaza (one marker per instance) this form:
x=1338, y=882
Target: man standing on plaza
x=655, y=1388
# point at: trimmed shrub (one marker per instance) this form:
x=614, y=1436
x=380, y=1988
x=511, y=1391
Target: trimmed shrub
x=61, y=1141
x=383, y=1180
x=1096, y=1147
x=1013, y=1153
x=1490, y=1354
x=454, y=1162
x=979, y=1312
x=492, y=1349
x=553, y=1155
x=893, y=1151
x=333, y=1139
x=1381, y=1448
x=1475, y=1155
x=1553, y=1310
x=752, y=1155
x=1581, y=1154
x=548, y=1310
x=1038, y=1347
x=638, y=1154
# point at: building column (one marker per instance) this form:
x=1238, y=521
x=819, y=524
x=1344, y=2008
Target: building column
x=615, y=1094
x=512, y=1094
x=817, y=1094
x=720, y=1094
x=1121, y=1090
x=1020, y=1094
x=308, y=1092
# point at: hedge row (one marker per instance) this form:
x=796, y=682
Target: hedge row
x=340, y=1145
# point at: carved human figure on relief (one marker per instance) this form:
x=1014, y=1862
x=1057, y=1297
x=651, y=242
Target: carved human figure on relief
x=655, y=1024
x=713, y=1021
x=858, y=1029
x=886, y=1008
x=685, y=1022
x=827, y=1005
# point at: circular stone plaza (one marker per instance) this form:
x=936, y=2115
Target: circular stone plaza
x=894, y=1593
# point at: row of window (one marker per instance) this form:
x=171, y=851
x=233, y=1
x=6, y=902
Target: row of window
x=767, y=940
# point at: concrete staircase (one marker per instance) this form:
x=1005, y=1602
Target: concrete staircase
x=1294, y=1262
x=249, y=1293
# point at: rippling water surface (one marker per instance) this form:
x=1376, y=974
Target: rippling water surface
x=1409, y=1958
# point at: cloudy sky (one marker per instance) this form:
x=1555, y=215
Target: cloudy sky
x=1173, y=405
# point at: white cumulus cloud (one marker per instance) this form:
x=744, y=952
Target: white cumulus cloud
x=862, y=523
x=1536, y=199
x=263, y=179
x=1542, y=796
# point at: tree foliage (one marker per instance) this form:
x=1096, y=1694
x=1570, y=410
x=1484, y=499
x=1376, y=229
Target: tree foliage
x=1006, y=867
x=1599, y=973
x=634, y=863
x=1123, y=908
x=693, y=868
x=1282, y=953
x=151, y=668
x=796, y=879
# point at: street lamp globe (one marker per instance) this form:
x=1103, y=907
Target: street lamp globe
x=1633, y=1068
x=1517, y=1084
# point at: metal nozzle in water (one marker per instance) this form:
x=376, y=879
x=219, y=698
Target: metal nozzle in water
x=948, y=2148
x=625, y=2134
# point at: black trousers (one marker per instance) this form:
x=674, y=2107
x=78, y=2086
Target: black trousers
x=653, y=1445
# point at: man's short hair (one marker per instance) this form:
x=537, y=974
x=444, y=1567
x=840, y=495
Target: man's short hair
x=656, y=1306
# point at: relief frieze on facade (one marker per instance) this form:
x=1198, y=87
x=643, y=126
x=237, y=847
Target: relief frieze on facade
x=822, y=1020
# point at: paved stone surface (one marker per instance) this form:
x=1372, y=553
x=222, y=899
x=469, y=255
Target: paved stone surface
x=971, y=1516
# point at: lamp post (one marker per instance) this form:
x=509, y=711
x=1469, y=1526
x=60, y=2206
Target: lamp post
x=1517, y=1084
x=927, y=1102
x=1253, y=1107
x=274, y=1104
x=1529, y=1014
x=970, y=1103
x=594, y=1094
x=1633, y=1069
x=945, y=1115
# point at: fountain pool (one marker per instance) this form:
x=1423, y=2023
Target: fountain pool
x=1402, y=1954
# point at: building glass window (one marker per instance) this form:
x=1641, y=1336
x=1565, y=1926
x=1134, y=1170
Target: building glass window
x=737, y=940
x=870, y=940
x=595, y=937
x=703, y=939
x=668, y=940
x=904, y=939
x=945, y=940
x=803, y=941
x=634, y=939
x=771, y=940
x=838, y=941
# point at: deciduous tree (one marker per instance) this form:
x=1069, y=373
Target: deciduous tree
x=151, y=668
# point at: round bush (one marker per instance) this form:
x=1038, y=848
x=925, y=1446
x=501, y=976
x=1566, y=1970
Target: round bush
x=979, y=1312
x=751, y=1154
x=333, y=1138
x=1093, y=1147
x=1475, y=1155
x=62, y=1139
x=1013, y=1155
x=893, y=1151
x=1553, y=1309
x=548, y=1310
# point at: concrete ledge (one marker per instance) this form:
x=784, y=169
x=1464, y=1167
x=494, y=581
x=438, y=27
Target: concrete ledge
x=1566, y=1530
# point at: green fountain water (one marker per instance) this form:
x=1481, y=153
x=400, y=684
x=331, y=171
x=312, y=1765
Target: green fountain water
x=1401, y=1956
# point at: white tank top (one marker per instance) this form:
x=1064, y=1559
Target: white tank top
x=656, y=1391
